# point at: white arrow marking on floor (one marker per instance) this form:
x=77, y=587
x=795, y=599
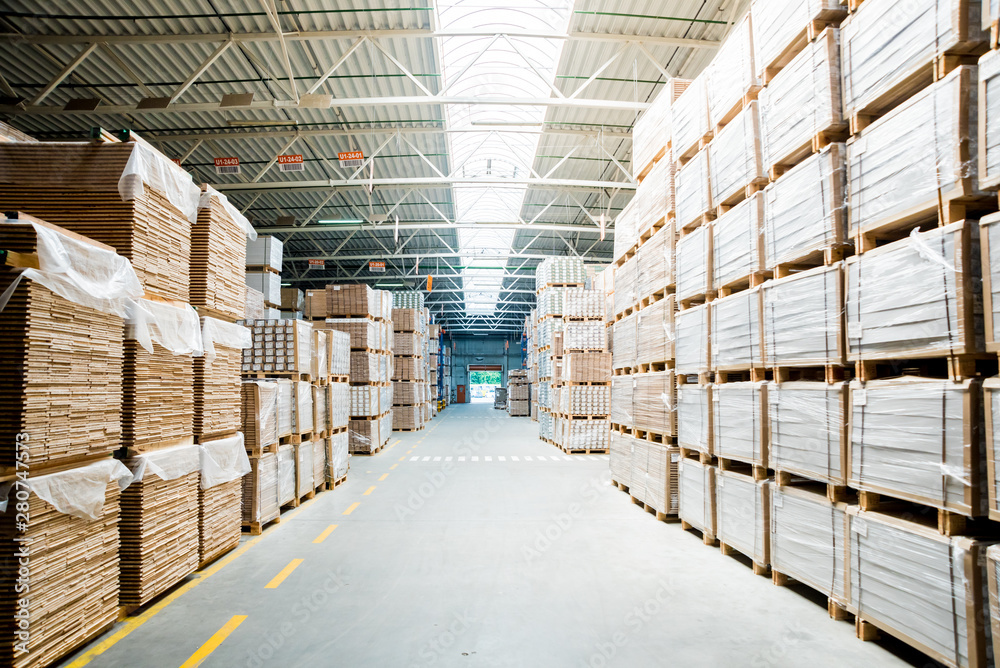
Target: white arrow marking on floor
x=414, y=459
x=461, y=459
x=488, y=458
x=475, y=459
x=513, y=458
x=437, y=459
x=502, y=458
x=527, y=458
x=447, y=459
x=426, y=459
x=555, y=458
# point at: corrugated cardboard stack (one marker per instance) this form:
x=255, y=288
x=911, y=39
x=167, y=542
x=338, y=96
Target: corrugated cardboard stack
x=263, y=272
x=409, y=382
x=518, y=393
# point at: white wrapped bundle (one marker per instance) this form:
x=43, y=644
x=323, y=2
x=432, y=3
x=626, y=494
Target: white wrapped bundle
x=917, y=156
x=655, y=264
x=743, y=510
x=696, y=483
x=587, y=335
x=689, y=118
x=731, y=76
x=922, y=587
x=339, y=405
x=694, y=418
x=626, y=281
x=303, y=414
x=364, y=400
x=653, y=402
x=802, y=102
x=626, y=231
x=624, y=354
x=692, y=328
x=661, y=477
x=694, y=268
x=802, y=318
x=737, y=335
x=737, y=244
x=991, y=405
x=888, y=51
x=285, y=407
x=918, y=439
x=587, y=400
x=286, y=474
x=991, y=14
x=655, y=332
x=560, y=270
x=639, y=474
x=587, y=434
x=918, y=297
x=694, y=196
x=582, y=303
x=805, y=210
x=734, y=157
x=621, y=458
x=809, y=540
x=989, y=123
x=651, y=134
x=654, y=196
x=780, y=29
x=739, y=422
x=622, y=391
x=807, y=429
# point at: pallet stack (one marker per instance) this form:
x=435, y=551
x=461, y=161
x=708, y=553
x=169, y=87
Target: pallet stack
x=517, y=393
x=436, y=376
x=264, y=257
x=409, y=376
x=337, y=394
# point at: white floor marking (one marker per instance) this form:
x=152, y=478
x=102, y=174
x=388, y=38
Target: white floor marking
x=437, y=459
x=447, y=459
x=475, y=459
x=426, y=459
x=555, y=458
x=527, y=458
x=502, y=458
x=488, y=458
x=414, y=459
x=567, y=457
x=461, y=459
x=513, y=458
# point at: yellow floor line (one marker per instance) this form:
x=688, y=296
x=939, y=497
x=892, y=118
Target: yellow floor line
x=369, y=490
x=326, y=532
x=351, y=508
x=402, y=458
x=213, y=643
x=384, y=476
x=394, y=466
x=285, y=572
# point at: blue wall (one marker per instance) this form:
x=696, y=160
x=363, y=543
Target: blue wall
x=466, y=350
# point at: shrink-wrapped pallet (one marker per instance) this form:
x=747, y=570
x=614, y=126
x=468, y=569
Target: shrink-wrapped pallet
x=620, y=459
x=407, y=417
x=920, y=156
x=266, y=283
x=654, y=196
x=580, y=303
x=805, y=210
x=639, y=475
x=743, y=515
x=286, y=474
x=624, y=352
x=989, y=238
x=737, y=243
x=626, y=234
x=655, y=332
x=737, y=334
x=367, y=367
x=279, y=346
x=337, y=457
x=926, y=589
x=286, y=407
x=781, y=29
x=407, y=299
x=353, y=301
x=689, y=122
x=622, y=409
x=319, y=462
x=696, y=487
x=406, y=368
x=988, y=124
x=918, y=297
x=739, y=422
x=586, y=400
x=887, y=55
x=626, y=285
x=265, y=252
x=365, y=436
x=694, y=263
x=807, y=430
x=224, y=463
x=694, y=418
x=693, y=192
x=321, y=409
x=802, y=103
x=560, y=270
x=809, y=540
x=304, y=469
x=260, y=490
x=552, y=302
x=315, y=305
x=735, y=159
x=918, y=439
x=364, y=334
x=254, y=309
x=803, y=324
x=302, y=409
x=406, y=319
x=586, y=367
x=587, y=434
x=651, y=133
x=656, y=263
x=692, y=328
x=661, y=477
x=653, y=402
x=731, y=76
x=406, y=343
x=259, y=414
x=991, y=413
x=589, y=335
x=321, y=357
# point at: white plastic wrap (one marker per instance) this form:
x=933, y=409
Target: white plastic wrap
x=622, y=410
x=626, y=232
x=694, y=195
x=265, y=252
x=654, y=196
x=304, y=459
x=621, y=458
x=653, y=402
x=805, y=209
x=560, y=270
x=807, y=427
x=694, y=263
x=884, y=50
x=205, y=201
x=918, y=439
x=988, y=121
x=918, y=155
x=260, y=489
x=80, y=491
x=692, y=329
x=586, y=400
x=338, y=457
x=582, y=303
x=626, y=284
x=339, y=404
x=624, y=354
x=80, y=272
x=174, y=327
x=696, y=484
x=364, y=400
x=737, y=245
x=734, y=157
x=639, y=474
x=223, y=460
x=737, y=335
x=779, y=28
x=731, y=75
x=302, y=407
x=661, y=477
x=285, y=407
x=166, y=464
x=652, y=131
x=286, y=474
x=802, y=318
x=225, y=334
x=260, y=412
x=916, y=297
x=655, y=264
x=655, y=332
x=694, y=417
x=584, y=335
x=809, y=540
x=148, y=166
x=743, y=509
x=587, y=434
x=689, y=118
x=267, y=283
x=739, y=422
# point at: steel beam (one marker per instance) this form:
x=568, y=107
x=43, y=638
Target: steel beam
x=424, y=181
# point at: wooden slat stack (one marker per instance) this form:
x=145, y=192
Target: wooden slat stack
x=218, y=257
x=219, y=519
x=217, y=388
x=158, y=398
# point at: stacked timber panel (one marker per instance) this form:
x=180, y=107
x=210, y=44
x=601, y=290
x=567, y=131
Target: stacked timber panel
x=518, y=393
x=409, y=379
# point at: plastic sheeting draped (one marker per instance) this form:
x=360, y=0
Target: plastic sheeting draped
x=78, y=492
x=225, y=334
x=205, y=201
x=223, y=460
x=148, y=166
x=175, y=328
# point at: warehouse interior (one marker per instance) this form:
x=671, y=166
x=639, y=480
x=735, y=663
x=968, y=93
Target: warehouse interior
x=468, y=333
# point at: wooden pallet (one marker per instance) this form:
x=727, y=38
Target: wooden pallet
x=754, y=374
x=834, y=608
x=956, y=367
x=420, y=428
x=652, y=436
x=834, y=493
x=816, y=144
x=696, y=300
x=296, y=439
x=623, y=487
x=742, y=284
x=729, y=202
x=572, y=284
x=823, y=20
x=257, y=528
x=748, y=96
x=949, y=523
x=829, y=373
x=336, y=483
x=758, y=568
x=369, y=454
x=706, y=536
x=757, y=471
x=692, y=225
x=662, y=517
x=652, y=367
x=583, y=451
x=259, y=375
x=702, y=457
x=825, y=257
x=654, y=297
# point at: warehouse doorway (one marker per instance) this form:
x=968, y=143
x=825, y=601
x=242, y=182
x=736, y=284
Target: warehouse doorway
x=484, y=379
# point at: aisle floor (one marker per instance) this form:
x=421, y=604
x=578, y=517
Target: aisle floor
x=472, y=543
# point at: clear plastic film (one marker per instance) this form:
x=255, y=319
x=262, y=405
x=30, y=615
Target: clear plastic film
x=694, y=268
x=654, y=196
x=737, y=246
x=366, y=367
x=560, y=269
x=265, y=252
x=80, y=272
x=585, y=335
x=552, y=301
x=689, y=117
x=166, y=464
x=269, y=284
x=743, y=508
x=260, y=489
x=362, y=332
x=696, y=487
x=807, y=429
x=321, y=360
x=805, y=210
x=918, y=439
x=625, y=332
x=694, y=196
x=661, y=477
x=802, y=101
x=626, y=231
x=737, y=335
x=304, y=482
x=639, y=475
x=260, y=412
x=621, y=458
x=739, y=422
x=652, y=130
x=920, y=585
x=319, y=462
x=734, y=156
x=583, y=303
x=303, y=413
x=587, y=400
x=694, y=417
x=656, y=262
x=883, y=47
x=365, y=436
x=586, y=367
x=338, y=457
x=919, y=153
x=655, y=332
x=254, y=309
x=913, y=297
x=544, y=394
x=802, y=318
x=218, y=332
x=364, y=400
x=321, y=409
x=175, y=328
x=286, y=474
x=587, y=434
x=626, y=283
x=731, y=74
x=285, y=407
x=406, y=343
x=205, y=201
x=809, y=540
x=653, y=402
x=223, y=460
x=407, y=299
x=777, y=24
x=622, y=409
x=988, y=126
x=78, y=492
x=148, y=166
x=692, y=329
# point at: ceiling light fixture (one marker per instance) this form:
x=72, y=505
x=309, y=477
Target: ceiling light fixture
x=349, y=221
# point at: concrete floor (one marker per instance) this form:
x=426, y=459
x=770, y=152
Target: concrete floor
x=463, y=552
